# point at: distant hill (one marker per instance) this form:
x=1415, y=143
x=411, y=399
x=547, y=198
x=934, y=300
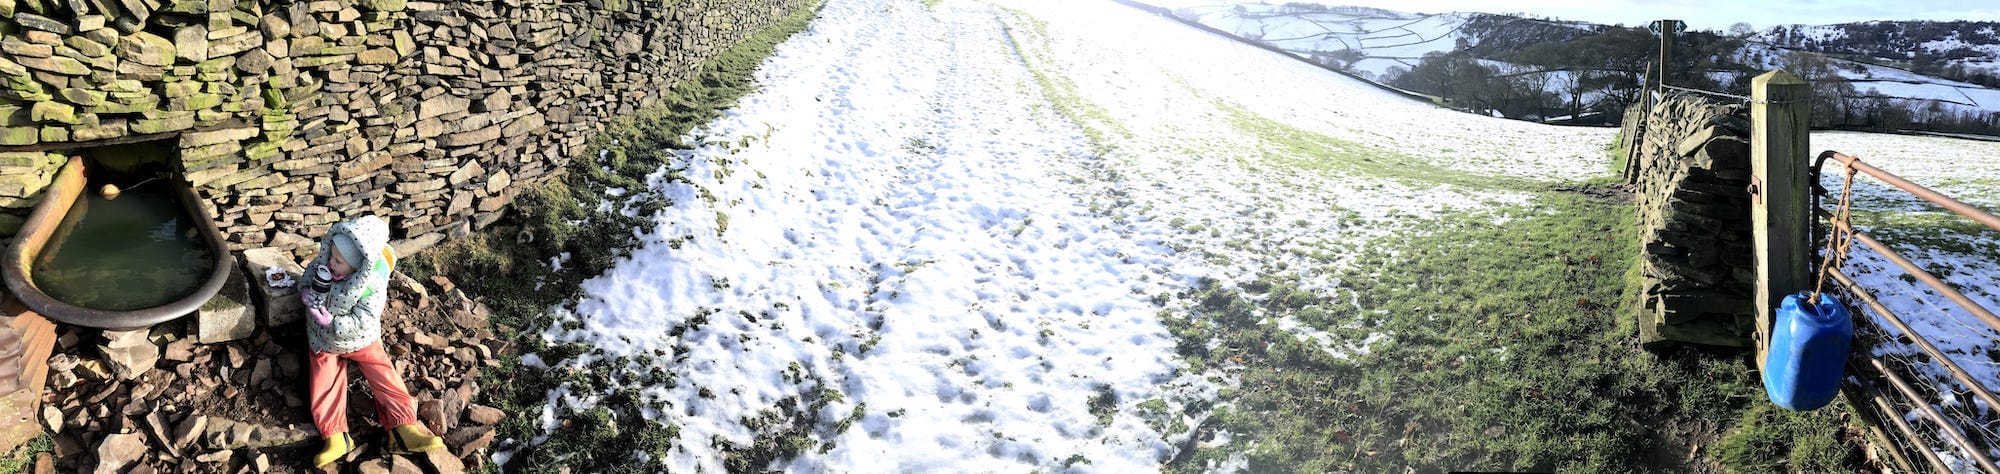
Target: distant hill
x=1966, y=51
x=1941, y=76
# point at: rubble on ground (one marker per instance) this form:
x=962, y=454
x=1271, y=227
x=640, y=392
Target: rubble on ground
x=158, y=401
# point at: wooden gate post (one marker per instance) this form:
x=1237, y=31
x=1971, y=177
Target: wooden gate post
x=1780, y=111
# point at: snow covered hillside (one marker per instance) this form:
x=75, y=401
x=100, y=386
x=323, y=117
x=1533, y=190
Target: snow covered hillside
x=1382, y=45
x=943, y=237
x=1382, y=38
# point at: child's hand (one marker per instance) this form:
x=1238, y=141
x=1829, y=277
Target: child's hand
x=316, y=306
x=320, y=315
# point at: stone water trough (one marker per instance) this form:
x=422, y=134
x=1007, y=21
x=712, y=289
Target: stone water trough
x=157, y=255
x=38, y=241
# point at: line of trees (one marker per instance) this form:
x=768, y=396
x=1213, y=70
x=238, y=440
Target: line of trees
x=1592, y=78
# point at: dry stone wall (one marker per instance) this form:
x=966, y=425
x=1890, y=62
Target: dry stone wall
x=291, y=115
x=1694, y=218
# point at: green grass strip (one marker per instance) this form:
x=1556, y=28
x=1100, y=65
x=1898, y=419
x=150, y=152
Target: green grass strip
x=1511, y=347
x=1312, y=151
x=1099, y=127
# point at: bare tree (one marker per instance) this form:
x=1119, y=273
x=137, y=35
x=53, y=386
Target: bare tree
x=1571, y=83
x=1828, y=86
x=1742, y=30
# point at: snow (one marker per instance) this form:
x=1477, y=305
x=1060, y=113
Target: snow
x=1388, y=39
x=903, y=237
x=944, y=257
x=1955, y=96
x=948, y=233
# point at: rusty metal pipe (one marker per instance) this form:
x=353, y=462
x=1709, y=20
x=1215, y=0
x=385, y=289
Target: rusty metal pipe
x=1953, y=205
x=1950, y=431
x=1887, y=411
x=1922, y=343
x=1985, y=315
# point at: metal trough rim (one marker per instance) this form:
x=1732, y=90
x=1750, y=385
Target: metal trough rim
x=41, y=224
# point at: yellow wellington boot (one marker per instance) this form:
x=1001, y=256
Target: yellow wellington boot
x=337, y=447
x=413, y=438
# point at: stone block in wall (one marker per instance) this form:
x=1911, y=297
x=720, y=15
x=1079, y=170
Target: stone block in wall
x=87, y=47
x=239, y=177
x=20, y=204
x=191, y=43
x=460, y=204
x=43, y=23
x=236, y=44
x=81, y=97
x=165, y=123
x=105, y=129
x=497, y=182
x=146, y=49
x=465, y=173
x=216, y=136
x=267, y=179
x=205, y=177
x=469, y=138
x=55, y=134
x=22, y=185
x=56, y=112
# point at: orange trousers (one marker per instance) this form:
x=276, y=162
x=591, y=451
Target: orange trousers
x=393, y=406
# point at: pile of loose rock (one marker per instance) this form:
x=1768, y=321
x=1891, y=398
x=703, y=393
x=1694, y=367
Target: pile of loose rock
x=157, y=401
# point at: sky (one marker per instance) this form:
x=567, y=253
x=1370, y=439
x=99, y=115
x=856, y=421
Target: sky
x=1699, y=14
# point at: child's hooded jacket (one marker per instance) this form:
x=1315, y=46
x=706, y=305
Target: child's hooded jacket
x=355, y=302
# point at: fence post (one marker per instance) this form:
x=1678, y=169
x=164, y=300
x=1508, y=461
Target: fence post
x=1655, y=76
x=1780, y=112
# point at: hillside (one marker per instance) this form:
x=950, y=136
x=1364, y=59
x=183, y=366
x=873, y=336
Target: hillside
x=1018, y=235
x=1884, y=75
x=1958, y=50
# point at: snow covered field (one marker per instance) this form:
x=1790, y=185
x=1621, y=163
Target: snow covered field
x=943, y=236
x=908, y=225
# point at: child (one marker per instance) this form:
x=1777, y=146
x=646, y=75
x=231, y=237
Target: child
x=344, y=321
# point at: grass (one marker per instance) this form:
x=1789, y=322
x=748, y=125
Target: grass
x=1311, y=151
x=1771, y=439
x=507, y=265
x=1031, y=43
x=1933, y=229
x=1510, y=348
x=23, y=457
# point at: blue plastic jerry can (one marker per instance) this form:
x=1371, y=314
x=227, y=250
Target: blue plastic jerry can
x=1804, y=366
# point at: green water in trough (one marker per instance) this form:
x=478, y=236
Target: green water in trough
x=137, y=251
